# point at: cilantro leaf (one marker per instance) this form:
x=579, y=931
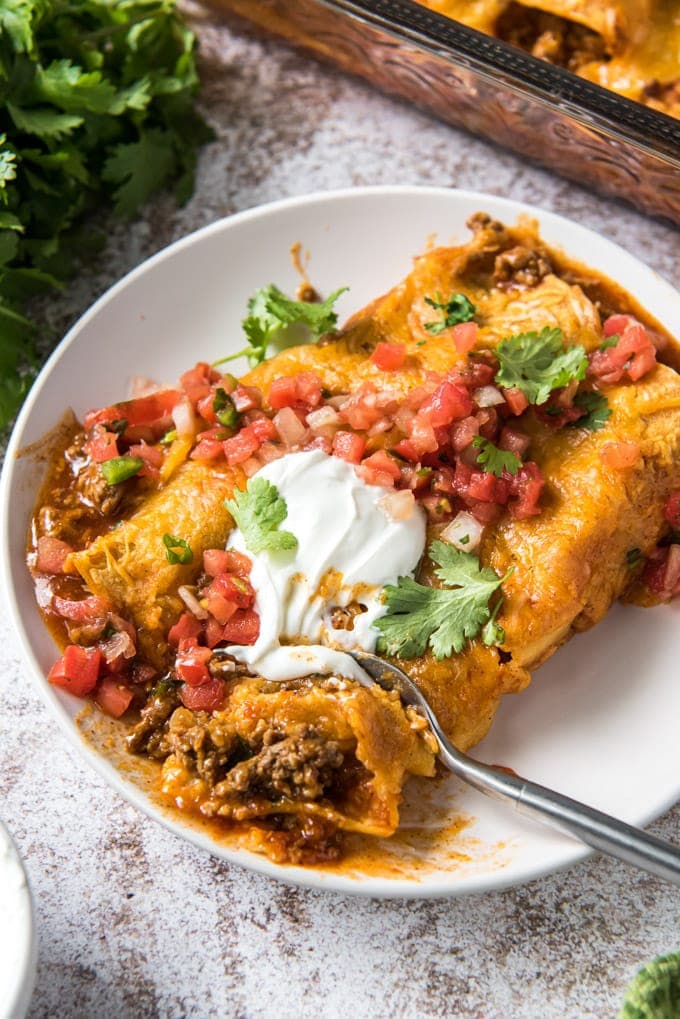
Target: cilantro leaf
x=273, y=318
x=494, y=460
x=537, y=363
x=259, y=510
x=139, y=168
x=457, y=309
x=443, y=618
x=598, y=410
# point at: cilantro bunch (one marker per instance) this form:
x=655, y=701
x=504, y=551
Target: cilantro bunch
x=96, y=109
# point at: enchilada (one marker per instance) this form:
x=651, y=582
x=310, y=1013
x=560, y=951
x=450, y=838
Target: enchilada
x=553, y=498
x=630, y=47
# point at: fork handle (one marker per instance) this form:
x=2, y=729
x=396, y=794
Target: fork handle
x=598, y=830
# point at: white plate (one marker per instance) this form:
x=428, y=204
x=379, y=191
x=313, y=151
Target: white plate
x=18, y=949
x=599, y=722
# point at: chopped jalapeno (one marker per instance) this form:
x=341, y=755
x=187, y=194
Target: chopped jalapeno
x=120, y=468
x=177, y=550
x=225, y=411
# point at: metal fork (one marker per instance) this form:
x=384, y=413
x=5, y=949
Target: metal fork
x=598, y=830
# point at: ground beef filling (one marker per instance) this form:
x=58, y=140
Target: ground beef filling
x=550, y=37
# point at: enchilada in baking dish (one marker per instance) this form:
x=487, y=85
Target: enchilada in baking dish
x=629, y=46
x=471, y=470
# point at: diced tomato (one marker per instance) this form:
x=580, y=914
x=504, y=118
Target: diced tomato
x=216, y=561
x=463, y=432
x=661, y=573
x=617, y=324
x=238, y=563
x=101, y=445
x=448, y=403
x=77, y=670
x=620, y=455
x=379, y=469
x=634, y=354
x=406, y=449
x=84, y=610
x=437, y=507
x=321, y=442
x=423, y=438
x=241, y=446
x=208, y=449
x=213, y=632
x=671, y=510
x=204, y=407
x=187, y=627
x=247, y=398
x=242, y=628
x=527, y=486
x=482, y=487
x=516, y=401
x=208, y=697
x=263, y=428
x=514, y=441
x=235, y=589
x=219, y=607
x=485, y=512
x=152, y=457
x=349, y=446
x=302, y=390
x=196, y=382
x=145, y=410
x=52, y=554
x=191, y=665
x=113, y=697
x=389, y=357
x=473, y=376
x=464, y=336
x=487, y=419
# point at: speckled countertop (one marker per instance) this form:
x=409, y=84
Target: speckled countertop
x=133, y=922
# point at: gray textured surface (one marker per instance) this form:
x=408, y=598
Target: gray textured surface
x=132, y=922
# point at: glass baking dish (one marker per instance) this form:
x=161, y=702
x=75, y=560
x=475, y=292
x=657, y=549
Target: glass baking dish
x=612, y=144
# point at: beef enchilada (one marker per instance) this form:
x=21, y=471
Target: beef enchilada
x=472, y=469
x=629, y=46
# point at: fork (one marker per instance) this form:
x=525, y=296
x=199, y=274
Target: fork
x=598, y=830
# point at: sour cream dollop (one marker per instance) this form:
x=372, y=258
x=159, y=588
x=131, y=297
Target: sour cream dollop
x=348, y=550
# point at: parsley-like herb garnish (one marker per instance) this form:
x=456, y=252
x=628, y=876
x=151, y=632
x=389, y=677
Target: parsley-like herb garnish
x=258, y=510
x=494, y=460
x=177, y=550
x=457, y=309
x=598, y=410
x=537, y=363
x=96, y=111
x=271, y=316
x=441, y=617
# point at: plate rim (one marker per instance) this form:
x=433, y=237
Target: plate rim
x=441, y=884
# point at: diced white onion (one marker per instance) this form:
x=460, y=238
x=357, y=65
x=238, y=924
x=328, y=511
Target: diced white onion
x=464, y=532
x=141, y=386
x=184, y=419
x=323, y=417
x=672, y=572
x=192, y=602
x=251, y=466
x=290, y=428
x=398, y=505
x=488, y=396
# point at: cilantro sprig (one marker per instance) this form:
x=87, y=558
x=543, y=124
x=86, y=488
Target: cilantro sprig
x=259, y=509
x=275, y=321
x=494, y=460
x=457, y=309
x=598, y=410
x=537, y=363
x=96, y=110
x=443, y=618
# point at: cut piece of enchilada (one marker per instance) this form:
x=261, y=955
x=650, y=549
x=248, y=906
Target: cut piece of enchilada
x=501, y=404
x=628, y=46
